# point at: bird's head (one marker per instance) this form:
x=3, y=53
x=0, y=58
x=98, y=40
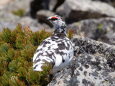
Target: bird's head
x=57, y=22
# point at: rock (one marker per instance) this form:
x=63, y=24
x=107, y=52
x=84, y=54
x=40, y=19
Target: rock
x=4, y=2
x=43, y=15
x=9, y=20
x=17, y=4
x=7, y=12
x=7, y=25
x=90, y=46
x=37, y=5
x=87, y=70
x=111, y=2
x=75, y=10
x=98, y=29
x=25, y=21
x=33, y=24
x=89, y=67
x=28, y=21
x=8, y=17
x=57, y=4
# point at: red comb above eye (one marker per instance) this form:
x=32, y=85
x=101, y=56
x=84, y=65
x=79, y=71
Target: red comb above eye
x=54, y=17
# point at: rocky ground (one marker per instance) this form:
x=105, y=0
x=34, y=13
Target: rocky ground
x=93, y=65
x=92, y=21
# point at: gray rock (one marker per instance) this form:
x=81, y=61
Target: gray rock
x=17, y=4
x=55, y=4
x=7, y=25
x=4, y=2
x=8, y=17
x=111, y=2
x=76, y=10
x=9, y=20
x=28, y=21
x=6, y=13
x=52, y=4
x=102, y=29
x=33, y=25
x=24, y=21
x=90, y=46
x=89, y=67
x=43, y=15
x=37, y=5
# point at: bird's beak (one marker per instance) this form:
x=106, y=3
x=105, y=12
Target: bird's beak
x=49, y=18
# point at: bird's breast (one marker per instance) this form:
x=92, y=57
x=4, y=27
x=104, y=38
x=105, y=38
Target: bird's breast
x=55, y=50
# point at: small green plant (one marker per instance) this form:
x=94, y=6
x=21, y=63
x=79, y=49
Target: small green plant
x=100, y=27
x=70, y=33
x=19, y=12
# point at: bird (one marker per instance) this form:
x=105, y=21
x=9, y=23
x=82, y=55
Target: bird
x=56, y=50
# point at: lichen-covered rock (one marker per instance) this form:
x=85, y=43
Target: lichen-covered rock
x=87, y=45
x=86, y=70
x=98, y=29
x=89, y=67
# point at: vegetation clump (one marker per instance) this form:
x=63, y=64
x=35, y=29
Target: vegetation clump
x=16, y=51
x=19, y=12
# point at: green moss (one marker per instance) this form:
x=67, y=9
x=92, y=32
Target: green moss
x=16, y=51
x=100, y=27
x=19, y=12
x=70, y=33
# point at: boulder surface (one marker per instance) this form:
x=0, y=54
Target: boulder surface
x=93, y=65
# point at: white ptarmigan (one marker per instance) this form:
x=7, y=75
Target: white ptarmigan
x=56, y=49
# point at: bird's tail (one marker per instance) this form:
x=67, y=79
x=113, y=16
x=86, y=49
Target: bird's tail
x=38, y=66
x=42, y=65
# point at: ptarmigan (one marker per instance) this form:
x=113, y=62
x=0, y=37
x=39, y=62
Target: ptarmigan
x=56, y=49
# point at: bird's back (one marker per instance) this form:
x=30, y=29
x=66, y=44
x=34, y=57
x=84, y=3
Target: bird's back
x=57, y=50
